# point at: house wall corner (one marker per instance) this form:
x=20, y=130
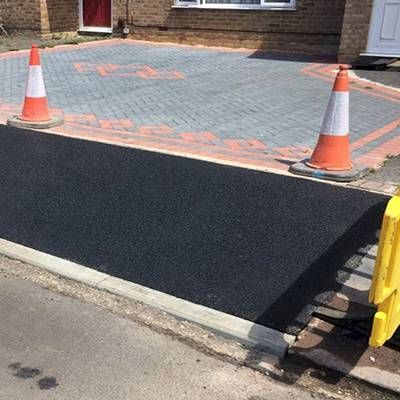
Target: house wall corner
x=355, y=29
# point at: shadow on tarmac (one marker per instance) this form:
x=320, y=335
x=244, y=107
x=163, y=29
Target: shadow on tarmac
x=344, y=254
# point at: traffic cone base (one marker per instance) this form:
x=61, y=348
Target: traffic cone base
x=302, y=168
x=35, y=112
x=17, y=122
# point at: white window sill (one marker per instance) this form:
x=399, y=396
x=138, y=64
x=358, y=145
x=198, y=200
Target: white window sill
x=232, y=7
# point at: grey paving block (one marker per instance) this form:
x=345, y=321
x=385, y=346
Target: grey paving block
x=230, y=94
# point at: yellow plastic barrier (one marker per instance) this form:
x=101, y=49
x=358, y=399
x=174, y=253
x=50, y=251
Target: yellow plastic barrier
x=385, y=289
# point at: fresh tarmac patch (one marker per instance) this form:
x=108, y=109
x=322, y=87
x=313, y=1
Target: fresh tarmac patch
x=263, y=247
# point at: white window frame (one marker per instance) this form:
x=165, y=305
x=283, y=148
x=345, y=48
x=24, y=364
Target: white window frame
x=276, y=5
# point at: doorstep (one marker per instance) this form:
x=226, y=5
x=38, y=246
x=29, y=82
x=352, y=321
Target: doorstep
x=95, y=29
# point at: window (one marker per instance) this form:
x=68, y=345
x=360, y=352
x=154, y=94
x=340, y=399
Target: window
x=244, y=4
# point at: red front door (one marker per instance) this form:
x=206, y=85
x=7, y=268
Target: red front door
x=97, y=13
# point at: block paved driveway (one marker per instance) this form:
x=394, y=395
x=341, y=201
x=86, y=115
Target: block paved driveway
x=236, y=106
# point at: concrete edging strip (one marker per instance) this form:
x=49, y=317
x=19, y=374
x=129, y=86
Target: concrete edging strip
x=271, y=340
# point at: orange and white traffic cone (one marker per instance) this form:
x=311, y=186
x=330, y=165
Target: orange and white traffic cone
x=331, y=158
x=333, y=148
x=35, y=112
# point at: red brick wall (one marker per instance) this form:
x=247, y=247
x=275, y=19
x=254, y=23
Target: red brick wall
x=315, y=26
x=355, y=29
x=40, y=15
x=323, y=26
x=59, y=15
x=20, y=14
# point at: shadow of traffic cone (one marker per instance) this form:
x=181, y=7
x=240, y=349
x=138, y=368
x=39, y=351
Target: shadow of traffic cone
x=331, y=158
x=35, y=112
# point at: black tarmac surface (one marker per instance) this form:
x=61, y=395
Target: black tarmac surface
x=256, y=245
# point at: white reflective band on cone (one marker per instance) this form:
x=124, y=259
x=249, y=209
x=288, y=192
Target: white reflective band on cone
x=336, y=121
x=35, y=86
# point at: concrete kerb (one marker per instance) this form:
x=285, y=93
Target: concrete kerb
x=272, y=341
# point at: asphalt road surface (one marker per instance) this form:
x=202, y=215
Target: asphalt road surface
x=260, y=246
x=55, y=347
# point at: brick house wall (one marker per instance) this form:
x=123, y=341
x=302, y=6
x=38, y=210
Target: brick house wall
x=20, y=14
x=40, y=15
x=329, y=27
x=354, y=36
x=59, y=15
x=314, y=27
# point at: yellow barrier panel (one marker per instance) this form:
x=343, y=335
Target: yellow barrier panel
x=385, y=289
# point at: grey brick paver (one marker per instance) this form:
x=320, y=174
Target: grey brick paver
x=231, y=94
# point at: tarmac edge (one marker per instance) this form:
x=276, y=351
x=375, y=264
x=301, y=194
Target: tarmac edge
x=270, y=340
